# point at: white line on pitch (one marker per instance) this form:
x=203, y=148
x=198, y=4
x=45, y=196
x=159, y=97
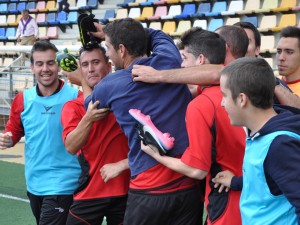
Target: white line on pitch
x=14, y=198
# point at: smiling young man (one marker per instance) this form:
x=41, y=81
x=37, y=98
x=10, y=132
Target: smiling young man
x=51, y=173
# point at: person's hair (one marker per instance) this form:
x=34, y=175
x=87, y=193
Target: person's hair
x=291, y=32
x=91, y=48
x=199, y=41
x=250, y=26
x=236, y=39
x=128, y=32
x=252, y=76
x=25, y=11
x=41, y=46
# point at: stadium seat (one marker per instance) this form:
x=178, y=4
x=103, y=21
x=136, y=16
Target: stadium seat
x=173, y=11
x=267, y=6
x=200, y=23
x=3, y=20
x=202, y=9
x=91, y=4
x=147, y=12
x=250, y=7
x=3, y=34
x=136, y=3
x=12, y=8
x=233, y=8
x=16, y=22
x=21, y=6
x=40, y=18
x=155, y=25
x=42, y=32
x=11, y=19
x=267, y=22
x=72, y=6
x=148, y=3
x=187, y=11
x=270, y=61
x=172, y=1
x=267, y=44
x=50, y=19
x=3, y=8
x=134, y=12
x=81, y=3
x=285, y=5
x=52, y=33
x=11, y=33
x=232, y=20
x=109, y=14
x=160, y=2
x=41, y=7
x=183, y=26
x=31, y=7
x=125, y=3
x=251, y=19
x=285, y=20
x=72, y=18
x=160, y=11
x=169, y=26
x=217, y=9
x=61, y=16
x=215, y=24
x=121, y=14
x=297, y=7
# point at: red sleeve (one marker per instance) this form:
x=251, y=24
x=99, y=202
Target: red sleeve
x=199, y=118
x=72, y=113
x=14, y=124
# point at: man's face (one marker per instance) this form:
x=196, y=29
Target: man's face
x=188, y=59
x=230, y=106
x=25, y=15
x=93, y=66
x=45, y=68
x=114, y=55
x=252, y=50
x=288, y=58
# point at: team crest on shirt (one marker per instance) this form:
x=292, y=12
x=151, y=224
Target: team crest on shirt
x=47, y=110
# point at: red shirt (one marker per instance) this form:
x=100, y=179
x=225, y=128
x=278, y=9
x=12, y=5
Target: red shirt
x=230, y=145
x=106, y=144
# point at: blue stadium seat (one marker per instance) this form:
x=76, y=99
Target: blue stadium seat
x=148, y=3
x=2, y=34
x=109, y=13
x=217, y=9
x=11, y=33
x=72, y=18
x=251, y=19
x=61, y=16
x=50, y=19
x=215, y=24
x=3, y=8
x=187, y=11
x=31, y=6
x=91, y=4
x=12, y=8
x=125, y=3
x=202, y=9
x=21, y=6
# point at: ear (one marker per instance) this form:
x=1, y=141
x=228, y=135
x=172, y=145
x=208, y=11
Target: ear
x=201, y=59
x=242, y=100
x=122, y=50
x=257, y=50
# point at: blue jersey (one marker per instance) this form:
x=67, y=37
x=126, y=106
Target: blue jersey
x=165, y=103
x=49, y=168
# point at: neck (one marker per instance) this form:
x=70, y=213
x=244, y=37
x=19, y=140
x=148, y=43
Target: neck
x=48, y=91
x=129, y=60
x=257, y=118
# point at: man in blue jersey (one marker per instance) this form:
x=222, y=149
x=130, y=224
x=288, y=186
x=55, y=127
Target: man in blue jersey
x=51, y=172
x=166, y=196
x=270, y=184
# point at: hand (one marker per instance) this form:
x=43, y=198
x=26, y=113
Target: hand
x=99, y=33
x=74, y=77
x=110, y=171
x=94, y=114
x=18, y=39
x=224, y=180
x=145, y=74
x=6, y=140
x=150, y=150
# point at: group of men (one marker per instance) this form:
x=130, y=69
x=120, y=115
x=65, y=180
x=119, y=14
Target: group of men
x=90, y=137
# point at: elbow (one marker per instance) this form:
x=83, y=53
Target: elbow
x=198, y=174
x=70, y=150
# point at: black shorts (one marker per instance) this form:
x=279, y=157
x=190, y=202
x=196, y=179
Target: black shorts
x=183, y=207
x=50, y=209
x=93, y=211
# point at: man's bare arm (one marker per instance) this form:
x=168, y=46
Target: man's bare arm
x=202, y=75
x=285, y=97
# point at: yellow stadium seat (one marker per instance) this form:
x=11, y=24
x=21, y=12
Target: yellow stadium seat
x=285, y=5
x=169, y=26
x=147, y=12
x=285, y=20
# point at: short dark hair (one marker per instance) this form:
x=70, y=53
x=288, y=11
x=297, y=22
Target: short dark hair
x=250, y=26
x=199, y=41
x=91, y=48
x=291, y=32
x=252, y=76
x=25, y=11
x=41, y=46
x=128, y=32
x=236, y=39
